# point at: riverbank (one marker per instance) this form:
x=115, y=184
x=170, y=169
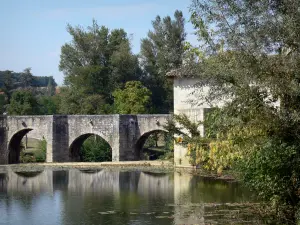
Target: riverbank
x=156, y=166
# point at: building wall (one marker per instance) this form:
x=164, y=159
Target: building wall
x=186, y=101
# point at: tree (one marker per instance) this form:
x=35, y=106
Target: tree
x=2, y=102
x=252, y=54
x=51, y=86
x=48, y=105
x=23, y=103
x=133, y=99
x=73, y=102
x=97, y=61
x=8, y=84
x=161, y=52
x=96, y=149
x=26, y=78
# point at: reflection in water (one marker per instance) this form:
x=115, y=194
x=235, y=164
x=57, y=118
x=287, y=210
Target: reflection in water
x=29, y=174
x=3, y=182
x=115, y=197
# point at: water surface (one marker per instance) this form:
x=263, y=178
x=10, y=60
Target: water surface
x=120, y=197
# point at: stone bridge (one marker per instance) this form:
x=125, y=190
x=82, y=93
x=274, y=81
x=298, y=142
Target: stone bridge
x=126, y=134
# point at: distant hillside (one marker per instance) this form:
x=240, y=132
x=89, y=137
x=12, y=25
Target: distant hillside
x=16, y=80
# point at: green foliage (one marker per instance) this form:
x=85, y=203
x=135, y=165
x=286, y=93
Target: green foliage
x=48, y=105
x=23, y=103
x=12, y=80
x=2, y=102
x=40, y=154
x=161, y=52
x=72, y=102
x=51, y=87
x=18, y=84
x=151, y=141
x=26, y=158
x=133, y=99
x=159, y=145
x=95, y=64
x=252, y=60
x=209, y=152
x=36, y=155
x=169, y=142
x=26, y=78
x=96, y=149
x=181, y=125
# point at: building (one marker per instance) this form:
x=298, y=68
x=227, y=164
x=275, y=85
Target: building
x=186, y=101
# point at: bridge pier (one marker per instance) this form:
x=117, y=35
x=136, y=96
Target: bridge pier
x=3, y=140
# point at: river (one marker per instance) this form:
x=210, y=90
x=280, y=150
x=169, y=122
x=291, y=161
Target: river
x=112, y=196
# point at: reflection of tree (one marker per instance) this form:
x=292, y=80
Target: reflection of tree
x=209, y=190
x=60, y=180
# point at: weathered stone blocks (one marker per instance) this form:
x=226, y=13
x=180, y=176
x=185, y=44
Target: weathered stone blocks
x=66, y=132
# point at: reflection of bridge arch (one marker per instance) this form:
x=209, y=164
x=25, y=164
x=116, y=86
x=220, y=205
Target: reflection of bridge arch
x=76, y=144
x=156, y=185
x=32, y=182
x=96, y=183
x=29, y=174
x=90, y=171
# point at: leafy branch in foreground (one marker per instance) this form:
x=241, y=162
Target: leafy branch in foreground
x=252, y=55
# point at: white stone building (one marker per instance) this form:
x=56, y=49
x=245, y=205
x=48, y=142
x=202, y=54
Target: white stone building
x=185, y=102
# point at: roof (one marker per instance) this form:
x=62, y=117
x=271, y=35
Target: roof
x=189, y=70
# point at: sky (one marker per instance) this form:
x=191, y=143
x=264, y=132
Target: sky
x=33, y=31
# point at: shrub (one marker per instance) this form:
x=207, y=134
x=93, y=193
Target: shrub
x=96, y=149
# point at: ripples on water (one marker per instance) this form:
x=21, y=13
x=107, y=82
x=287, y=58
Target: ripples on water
x=116, y=197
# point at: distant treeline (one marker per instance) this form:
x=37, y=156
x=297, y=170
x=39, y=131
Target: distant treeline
x=17, y=80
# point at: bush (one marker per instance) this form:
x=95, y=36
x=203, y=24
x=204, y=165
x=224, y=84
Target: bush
x=40, y=154
x=273, y=171
x=96, y=149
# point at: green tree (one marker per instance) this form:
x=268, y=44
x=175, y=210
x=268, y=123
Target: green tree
x=23, y=103
x=74, y=102
x=161, y=52
x=8, y=83
x=51, y=86
x=252, y=54
x=48, y=105
x=2, y=102
x=133, y=99
x=96, y=62
x=96, y=149
x=26, y=78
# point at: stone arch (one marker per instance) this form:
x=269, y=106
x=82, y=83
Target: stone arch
x=75, y=146
x=141, y=141
x=14, y=147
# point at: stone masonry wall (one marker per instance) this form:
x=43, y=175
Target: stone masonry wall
x=3, y=140
x=186, y=102
x=61, y=132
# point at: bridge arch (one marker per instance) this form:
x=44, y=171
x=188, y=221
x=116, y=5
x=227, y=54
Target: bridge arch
x=138, y=148
x=14, y=145
x=75, y=151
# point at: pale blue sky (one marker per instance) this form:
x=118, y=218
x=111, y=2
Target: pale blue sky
x=33, y=31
